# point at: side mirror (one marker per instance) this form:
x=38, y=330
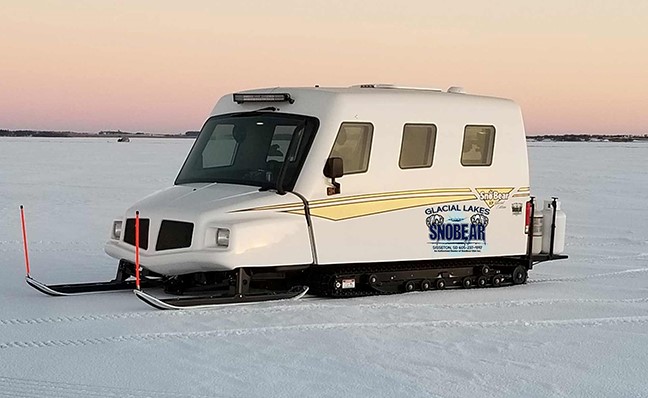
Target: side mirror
x=334, y=167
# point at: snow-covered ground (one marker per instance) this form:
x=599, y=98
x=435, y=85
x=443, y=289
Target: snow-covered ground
x=578, y=328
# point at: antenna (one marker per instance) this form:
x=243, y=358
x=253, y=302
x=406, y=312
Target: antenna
x=24, y=235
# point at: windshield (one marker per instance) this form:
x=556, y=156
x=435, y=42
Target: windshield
x=252, y=148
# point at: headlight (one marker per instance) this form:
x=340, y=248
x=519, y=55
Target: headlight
x=116, y=230
x=222, y=237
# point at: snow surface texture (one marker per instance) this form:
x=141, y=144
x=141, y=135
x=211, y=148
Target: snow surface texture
x=578, y=328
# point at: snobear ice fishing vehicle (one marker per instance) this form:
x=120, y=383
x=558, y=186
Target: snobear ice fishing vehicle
x=370, y=189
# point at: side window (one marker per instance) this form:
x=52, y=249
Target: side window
x=221, y=147
x=478, y=144
x=417, y=147
x=353, y=145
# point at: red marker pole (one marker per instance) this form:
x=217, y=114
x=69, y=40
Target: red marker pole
x=137, y=244
x=24, y=235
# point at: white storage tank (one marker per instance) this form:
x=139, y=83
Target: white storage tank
x=561, y=223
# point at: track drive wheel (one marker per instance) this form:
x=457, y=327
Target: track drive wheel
x=467, y=282
x=410, y=286
x=519, y=275
x=440, y=284
x=481, y=281
x=426, y=285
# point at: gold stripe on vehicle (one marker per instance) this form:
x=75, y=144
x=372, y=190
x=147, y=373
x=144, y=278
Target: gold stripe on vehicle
x=290, y=207
x=345, y=211
x=396, y=193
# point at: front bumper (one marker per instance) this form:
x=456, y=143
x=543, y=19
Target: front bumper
x=171, y=262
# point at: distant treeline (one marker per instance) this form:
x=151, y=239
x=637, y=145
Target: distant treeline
x=118, y=133
x=193, y=134
x=32, y=133
x=589, y=137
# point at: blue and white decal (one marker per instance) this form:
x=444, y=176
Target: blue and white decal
x=457, y=229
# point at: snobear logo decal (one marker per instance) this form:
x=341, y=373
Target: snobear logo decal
x=461, y=229
x=493, y=196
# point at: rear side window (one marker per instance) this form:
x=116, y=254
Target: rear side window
x=353, y=145
x=478, y=144
x=417, y=147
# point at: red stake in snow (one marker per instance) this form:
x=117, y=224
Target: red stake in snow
x=24, y=235
x=137, y=244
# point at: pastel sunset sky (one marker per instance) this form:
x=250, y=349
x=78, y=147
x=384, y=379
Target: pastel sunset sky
x=576, y=66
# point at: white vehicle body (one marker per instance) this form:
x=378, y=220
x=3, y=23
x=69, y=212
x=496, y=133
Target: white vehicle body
x=384, y=214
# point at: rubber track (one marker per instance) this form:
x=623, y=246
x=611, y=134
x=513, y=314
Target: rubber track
x=322, y=280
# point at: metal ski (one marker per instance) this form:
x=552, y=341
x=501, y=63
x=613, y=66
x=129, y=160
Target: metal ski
x=206, y=302
x=122, y=282
x=74, y=289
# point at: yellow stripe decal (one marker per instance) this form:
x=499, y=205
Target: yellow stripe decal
x=297, y=206
x=345, y=211
x=397, y=193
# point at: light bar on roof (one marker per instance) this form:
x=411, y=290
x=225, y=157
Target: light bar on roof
x=241, y=98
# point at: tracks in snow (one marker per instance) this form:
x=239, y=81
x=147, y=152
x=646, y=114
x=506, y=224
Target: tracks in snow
x=591, y=276
x=309, y=304
x=224, y=333
x=312, y=303
x=306, y=305
x=27, y=388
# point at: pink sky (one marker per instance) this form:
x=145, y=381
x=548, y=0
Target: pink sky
x=578, y=66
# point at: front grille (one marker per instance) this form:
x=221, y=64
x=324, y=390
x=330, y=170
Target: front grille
x=174, y=235
x=129, y=232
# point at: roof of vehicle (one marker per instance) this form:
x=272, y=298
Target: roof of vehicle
x=377, y=90
x=371, y=95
